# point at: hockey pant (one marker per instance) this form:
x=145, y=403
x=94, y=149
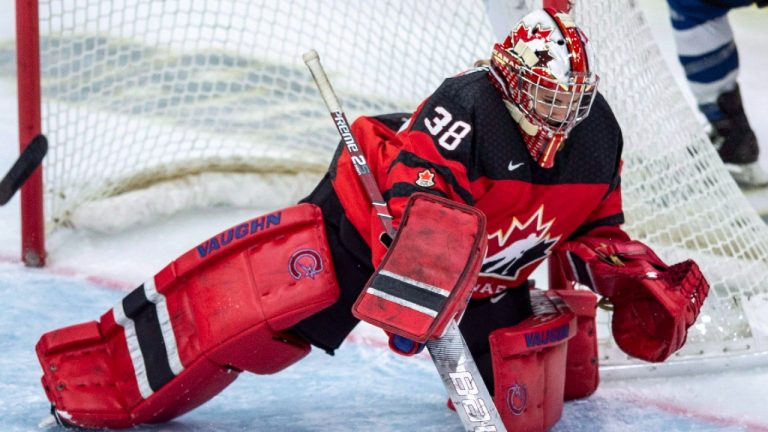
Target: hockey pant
x=184, y=335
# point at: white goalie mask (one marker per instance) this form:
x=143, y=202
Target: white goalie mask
x=545, y=71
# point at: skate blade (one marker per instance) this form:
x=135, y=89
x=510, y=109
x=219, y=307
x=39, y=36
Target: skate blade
x=47, y=422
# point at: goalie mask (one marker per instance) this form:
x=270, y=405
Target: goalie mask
x=545, y=72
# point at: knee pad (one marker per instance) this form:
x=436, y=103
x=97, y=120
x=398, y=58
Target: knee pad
x=529, y=364
x=582, y=374
x=183, y=336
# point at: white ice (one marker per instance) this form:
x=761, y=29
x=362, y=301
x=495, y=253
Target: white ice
x=364, y=387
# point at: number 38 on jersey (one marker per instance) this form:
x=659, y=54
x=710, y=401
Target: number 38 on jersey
x=449, y=132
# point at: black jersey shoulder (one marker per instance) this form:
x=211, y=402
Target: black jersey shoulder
x=468, y=90
x=492, y=127
x=591, y=153
x=449, y=116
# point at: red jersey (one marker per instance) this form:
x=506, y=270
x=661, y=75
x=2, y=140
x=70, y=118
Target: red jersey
x=463, y=144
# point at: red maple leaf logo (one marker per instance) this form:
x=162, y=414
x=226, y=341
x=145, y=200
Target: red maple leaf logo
x=425, y=178
x=527, y=34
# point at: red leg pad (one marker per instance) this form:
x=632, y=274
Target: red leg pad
x=79, y=351
x=529, y=364
x=582, y=373
x=247, y=351
x=184, y=335
x=90, y=388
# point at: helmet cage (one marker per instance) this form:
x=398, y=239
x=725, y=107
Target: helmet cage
x=550, y=103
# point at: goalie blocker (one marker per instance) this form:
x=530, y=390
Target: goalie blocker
x=230, y=305
x=426, y=278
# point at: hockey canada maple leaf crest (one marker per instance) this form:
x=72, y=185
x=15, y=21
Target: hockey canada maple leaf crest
x=425, y=178
x=519, y=246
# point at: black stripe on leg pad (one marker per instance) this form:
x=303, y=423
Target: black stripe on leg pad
x=410, y=291
x=144, y=315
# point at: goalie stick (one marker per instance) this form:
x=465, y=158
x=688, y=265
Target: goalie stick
x=24, y=166
x=449, y=353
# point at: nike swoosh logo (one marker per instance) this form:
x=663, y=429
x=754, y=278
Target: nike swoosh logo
x=513, y=167
x=495, y=299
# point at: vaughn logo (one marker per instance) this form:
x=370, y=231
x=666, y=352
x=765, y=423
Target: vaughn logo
x=520, y=246
x=245, y=229
x=305, y=263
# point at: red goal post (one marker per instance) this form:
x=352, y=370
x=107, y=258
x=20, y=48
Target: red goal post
x=28, y=76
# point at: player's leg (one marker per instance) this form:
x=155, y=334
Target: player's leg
x=708, y=54
x=519, y=342
x=483, y=316
x=224, y=307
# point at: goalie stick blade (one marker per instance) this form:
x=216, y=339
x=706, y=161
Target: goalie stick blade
x=24, y=166
x=459, y=372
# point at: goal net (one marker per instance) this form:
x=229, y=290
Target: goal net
x=678, y=196
x=153, y=106
x=146, y=98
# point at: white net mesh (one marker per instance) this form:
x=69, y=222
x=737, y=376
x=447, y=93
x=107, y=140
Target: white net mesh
x=678, y=196
x=138, y=93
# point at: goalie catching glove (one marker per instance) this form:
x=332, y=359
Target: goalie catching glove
x=654, y=304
